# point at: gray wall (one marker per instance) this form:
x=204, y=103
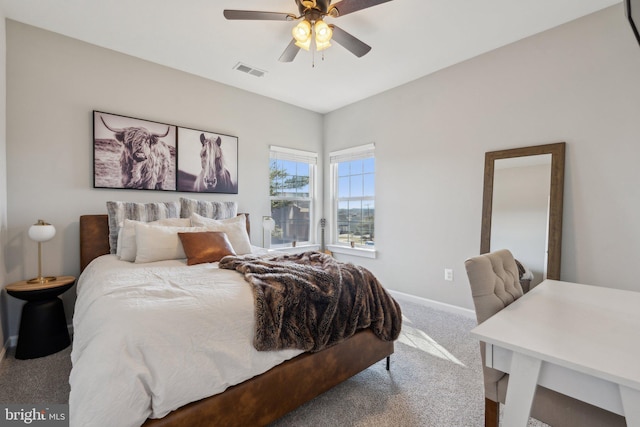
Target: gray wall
x=55, y=82
x=3, y=180
x=578, y=83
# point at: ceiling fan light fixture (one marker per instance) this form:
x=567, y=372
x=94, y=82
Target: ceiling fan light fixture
x=323, y=32
x=306, y=45
x=302, y=31
x=322, y=45
x=311, y=32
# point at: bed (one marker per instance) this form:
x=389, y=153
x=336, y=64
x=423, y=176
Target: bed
x=266, y=396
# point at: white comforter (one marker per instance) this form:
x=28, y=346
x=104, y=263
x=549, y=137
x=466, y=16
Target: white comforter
x=149, y=338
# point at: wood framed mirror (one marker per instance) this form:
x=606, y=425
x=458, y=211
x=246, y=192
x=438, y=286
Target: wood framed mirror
x=522, y=206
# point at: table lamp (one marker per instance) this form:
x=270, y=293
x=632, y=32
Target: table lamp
x=268, y=225
x=41, y=232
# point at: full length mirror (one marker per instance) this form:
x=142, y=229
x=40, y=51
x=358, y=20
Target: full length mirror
x=522, y=207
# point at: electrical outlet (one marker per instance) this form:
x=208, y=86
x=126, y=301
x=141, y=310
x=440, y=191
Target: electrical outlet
x=448, y=274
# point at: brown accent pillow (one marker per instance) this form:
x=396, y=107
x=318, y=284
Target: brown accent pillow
x=205, y=246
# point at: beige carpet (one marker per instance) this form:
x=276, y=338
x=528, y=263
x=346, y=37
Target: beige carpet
x=41, y=380
x=435, y=380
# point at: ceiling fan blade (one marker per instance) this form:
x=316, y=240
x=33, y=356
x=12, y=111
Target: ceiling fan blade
x=349, y=42
x=290, y=52
x=345, y=7
x=258, y=16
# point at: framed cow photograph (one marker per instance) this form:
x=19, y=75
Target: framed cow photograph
x=207, y=162
x=133, y=153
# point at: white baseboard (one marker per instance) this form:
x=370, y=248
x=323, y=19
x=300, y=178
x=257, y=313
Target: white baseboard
x=434, y=304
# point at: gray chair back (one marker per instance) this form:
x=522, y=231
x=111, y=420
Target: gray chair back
x=495, y=283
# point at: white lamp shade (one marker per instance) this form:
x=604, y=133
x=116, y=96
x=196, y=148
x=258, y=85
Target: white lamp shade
x=42, y=232
x=268, y=224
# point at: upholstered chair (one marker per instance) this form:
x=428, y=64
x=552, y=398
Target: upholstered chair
x=494, y=280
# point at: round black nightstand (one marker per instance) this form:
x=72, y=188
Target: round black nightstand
x=43, y=324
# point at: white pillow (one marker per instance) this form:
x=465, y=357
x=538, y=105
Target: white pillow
x=158, y=243
x=236, y=229
x=127, y=235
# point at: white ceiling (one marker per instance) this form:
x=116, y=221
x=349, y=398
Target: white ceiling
x=410, y=39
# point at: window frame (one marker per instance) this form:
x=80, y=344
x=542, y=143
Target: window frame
x=299, y=156
x=360, y=152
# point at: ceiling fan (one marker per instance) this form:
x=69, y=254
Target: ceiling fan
x=312, y=30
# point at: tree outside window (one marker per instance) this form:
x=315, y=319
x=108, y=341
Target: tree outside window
x=290, y=191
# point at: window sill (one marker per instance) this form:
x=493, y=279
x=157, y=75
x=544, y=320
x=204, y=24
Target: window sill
x=361, y=252
x=296, y=249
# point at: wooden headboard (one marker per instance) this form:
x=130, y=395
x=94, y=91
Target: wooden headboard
x=94, y=237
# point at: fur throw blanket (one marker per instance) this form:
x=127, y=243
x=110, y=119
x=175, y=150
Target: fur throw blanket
x=310, y=301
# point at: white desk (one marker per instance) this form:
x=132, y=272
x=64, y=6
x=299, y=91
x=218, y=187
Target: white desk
x=579, y=340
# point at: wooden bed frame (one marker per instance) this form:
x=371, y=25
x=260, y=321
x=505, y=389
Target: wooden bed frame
x=268, y=396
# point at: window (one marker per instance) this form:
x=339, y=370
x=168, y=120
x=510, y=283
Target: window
x=292, y=194
x=353, y=196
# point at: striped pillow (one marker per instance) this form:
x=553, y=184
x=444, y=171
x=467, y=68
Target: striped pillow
x=145, y=212
x=214, y=210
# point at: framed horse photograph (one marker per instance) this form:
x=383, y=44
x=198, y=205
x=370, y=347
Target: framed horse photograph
x=207, y=162
x=133, y=153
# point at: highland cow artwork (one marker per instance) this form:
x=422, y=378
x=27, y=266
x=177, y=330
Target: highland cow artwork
x=207, y=162
x=133, y=153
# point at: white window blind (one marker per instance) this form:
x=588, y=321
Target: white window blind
x=354, y=153
x=293, y=155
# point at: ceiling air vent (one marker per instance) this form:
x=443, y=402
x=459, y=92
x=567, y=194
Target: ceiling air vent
x=249, y=70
